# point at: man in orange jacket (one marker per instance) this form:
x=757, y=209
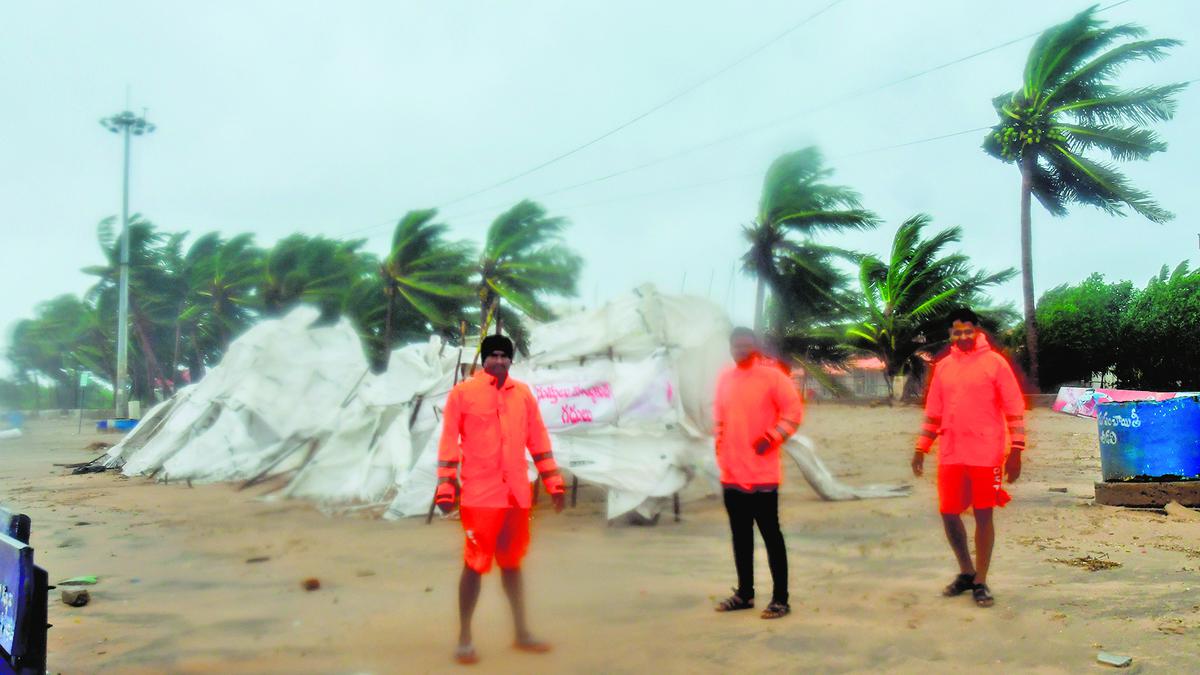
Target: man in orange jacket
x=489, y=422
x=973, y=404
x=757, y=409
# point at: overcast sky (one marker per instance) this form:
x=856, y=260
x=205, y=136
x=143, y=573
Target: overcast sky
x=336, y=118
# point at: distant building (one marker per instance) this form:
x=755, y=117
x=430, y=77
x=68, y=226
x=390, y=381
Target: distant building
x=859, y=377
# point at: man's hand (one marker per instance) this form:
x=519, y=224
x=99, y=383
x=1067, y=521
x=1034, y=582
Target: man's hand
x=560, y=500
x=918, y=463
x=762, y=445
x=447, y=494
x=1012, y=466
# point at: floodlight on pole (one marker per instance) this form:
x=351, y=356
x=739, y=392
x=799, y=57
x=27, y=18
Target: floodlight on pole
x=126, y=123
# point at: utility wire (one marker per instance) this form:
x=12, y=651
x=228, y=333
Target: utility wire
x=637, y=118
x=859, y=93
x=756, y=174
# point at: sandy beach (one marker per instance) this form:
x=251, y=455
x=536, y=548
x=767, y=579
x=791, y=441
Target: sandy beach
x=178, y=593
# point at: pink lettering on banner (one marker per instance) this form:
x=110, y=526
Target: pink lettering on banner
x=573, y=415
x=554, y=394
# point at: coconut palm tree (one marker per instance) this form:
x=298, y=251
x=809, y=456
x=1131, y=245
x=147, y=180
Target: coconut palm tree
x=796, y=199
x=319, y=270
x=151, y=312
x=524, y=260
x=910, y=294
x=220, y=278
x=427, y=273
x=1068, y=107
x=47, y=345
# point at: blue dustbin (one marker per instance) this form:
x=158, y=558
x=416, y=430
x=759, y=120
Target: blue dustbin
x=1150, y=439
x=15, y=420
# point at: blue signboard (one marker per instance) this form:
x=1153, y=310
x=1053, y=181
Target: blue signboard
x=1150, y=439
x=16, y=591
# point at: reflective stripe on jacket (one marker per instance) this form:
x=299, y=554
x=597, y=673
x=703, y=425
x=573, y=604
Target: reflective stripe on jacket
x=485, y=433
x=753, y=402
x=974, y=403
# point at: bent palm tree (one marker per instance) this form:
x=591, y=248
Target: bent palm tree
x=911, y=293
x=300, y=268
x=796, y=198
x=1067, y=106
x=430, y=274
x=524, y=259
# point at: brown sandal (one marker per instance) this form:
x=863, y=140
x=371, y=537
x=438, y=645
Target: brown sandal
x=776, y=610
x=734, y=603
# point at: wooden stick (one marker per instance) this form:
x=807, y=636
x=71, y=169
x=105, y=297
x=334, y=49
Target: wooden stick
x=432, y=505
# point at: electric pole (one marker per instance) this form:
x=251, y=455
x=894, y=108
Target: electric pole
x=125, y=123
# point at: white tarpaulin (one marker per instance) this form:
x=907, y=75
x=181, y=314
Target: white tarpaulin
x=626, y=391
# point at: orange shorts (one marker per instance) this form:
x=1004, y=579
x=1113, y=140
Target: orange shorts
x=500, y=533
x=961, y=486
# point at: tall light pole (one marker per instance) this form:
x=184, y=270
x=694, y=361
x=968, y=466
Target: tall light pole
x=125, y=123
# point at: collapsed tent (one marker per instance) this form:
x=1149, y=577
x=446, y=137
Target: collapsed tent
x=625, y=390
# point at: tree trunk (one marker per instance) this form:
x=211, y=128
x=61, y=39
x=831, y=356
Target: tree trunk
x=198, y=370
x=387, y=325
x=1028, y=163
x=759, y=298
x=489, y=308
x=153, y=369
x=175, y=353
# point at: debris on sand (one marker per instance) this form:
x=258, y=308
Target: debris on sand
x=1087, y=562
x=1114, y=660
x=1177, y=511
x=79, y=581
x=311, y=584
x=75, y=597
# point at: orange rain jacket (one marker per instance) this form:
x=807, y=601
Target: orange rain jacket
x=754, y=402
x=485, y=432
x=973, y=397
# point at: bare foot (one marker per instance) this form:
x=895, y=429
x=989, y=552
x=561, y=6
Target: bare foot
x=531, y=644
x=465, y=654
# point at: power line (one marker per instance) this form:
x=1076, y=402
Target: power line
x=791, y=116
x=651, y=111
x=916, y=142
x=756, y=174
x=849, y=96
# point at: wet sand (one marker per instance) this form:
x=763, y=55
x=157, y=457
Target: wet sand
x=176, y=593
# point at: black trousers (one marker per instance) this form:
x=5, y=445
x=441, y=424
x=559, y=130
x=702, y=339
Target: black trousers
x=745, y=509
